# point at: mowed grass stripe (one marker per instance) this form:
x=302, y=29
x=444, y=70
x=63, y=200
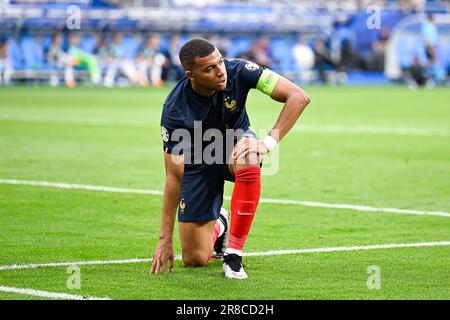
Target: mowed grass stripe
x=360, y=208
x=301, y=127
x=248, y=254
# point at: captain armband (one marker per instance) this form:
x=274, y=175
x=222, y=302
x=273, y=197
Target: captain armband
x=267, y=81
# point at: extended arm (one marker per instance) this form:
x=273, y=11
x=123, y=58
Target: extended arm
x=295, y=101
x=164, y=250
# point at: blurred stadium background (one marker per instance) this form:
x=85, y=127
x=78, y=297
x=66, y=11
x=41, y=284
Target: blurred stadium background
x=136, y=42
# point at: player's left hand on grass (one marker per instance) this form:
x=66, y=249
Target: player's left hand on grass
x=246, y=146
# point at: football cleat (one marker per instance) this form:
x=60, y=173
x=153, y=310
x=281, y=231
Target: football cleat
x=232, y=267
x=222, y=242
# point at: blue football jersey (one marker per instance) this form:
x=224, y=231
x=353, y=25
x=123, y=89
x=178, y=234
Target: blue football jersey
x=185, y=109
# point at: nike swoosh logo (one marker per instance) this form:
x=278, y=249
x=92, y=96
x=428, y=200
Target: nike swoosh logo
x=244, y=213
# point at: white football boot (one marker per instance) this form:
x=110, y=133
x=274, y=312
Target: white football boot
x=232, y=267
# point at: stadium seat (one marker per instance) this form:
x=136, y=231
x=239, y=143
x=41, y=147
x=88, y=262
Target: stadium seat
x=238, y=46
x=33, y=55
x=130, y=45
x=282, y=55
x=88, y=43
x=15, y=54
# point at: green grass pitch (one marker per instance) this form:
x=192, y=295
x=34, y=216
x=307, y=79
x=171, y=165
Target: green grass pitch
x=383, y=147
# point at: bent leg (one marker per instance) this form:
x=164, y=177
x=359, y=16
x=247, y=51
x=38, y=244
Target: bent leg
x=196, y=242
x=245, y=198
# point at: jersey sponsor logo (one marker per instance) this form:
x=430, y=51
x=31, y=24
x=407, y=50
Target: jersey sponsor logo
x=251, y=66
x=164, y=134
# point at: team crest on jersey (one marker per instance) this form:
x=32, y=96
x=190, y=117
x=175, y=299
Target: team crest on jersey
x=182, y=205
x=251, y=66
x=231, y=105
x=164, y=134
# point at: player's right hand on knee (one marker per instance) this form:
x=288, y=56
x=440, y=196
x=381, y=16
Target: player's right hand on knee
x=162, y=255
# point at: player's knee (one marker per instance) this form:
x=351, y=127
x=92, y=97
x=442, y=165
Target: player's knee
x=195, y=259
x=250, y=159
x=253, y=158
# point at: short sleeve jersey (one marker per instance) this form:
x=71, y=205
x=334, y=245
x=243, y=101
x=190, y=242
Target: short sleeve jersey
x=185, y=109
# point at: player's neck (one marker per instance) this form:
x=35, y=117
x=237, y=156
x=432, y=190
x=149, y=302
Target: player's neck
x=201, y=91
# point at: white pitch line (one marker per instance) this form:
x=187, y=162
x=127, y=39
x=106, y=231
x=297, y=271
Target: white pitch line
x=62, y=185
x=77, y=263
x=360, y=208
x=66, y=296
x=47, y=294
x=354, y=248
x=249, y=254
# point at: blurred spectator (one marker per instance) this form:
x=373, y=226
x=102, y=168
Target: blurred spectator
x=222, y=44
x=224, y=47
x=80, y=58
x=259, y=52
x=116, y=61
x=213, y=38
x=436, y=73
x=376, y=60
x=6, y=67
x=348, y=57
x=416, y=74
x=430, y=35
x=262, y=52
x=322, y=60
x=429, y=31
x=172, y=68
x=304, y=56
x=150, y=61
x=263, y=55
x=58, y=61
x=431, y=74
x=409, y=6
x=103, y=55
x=250, y=54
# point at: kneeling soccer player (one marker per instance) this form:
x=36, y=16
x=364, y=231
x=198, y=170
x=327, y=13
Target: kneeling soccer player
x=213, y=96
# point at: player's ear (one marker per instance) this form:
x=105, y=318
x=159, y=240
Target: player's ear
x=189, y=74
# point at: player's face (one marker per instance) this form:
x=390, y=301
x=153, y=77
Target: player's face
x=210, y=72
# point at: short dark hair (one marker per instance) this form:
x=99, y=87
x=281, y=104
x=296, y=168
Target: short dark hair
x=194, y=48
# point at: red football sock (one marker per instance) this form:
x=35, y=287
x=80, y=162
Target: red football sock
x=244, y=201
x=219, y=229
